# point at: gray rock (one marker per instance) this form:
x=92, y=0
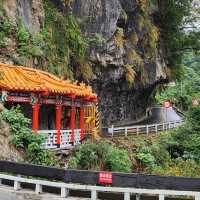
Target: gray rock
x=97, y=16
x=31, y=13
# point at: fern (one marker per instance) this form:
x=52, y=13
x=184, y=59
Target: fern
x=130, y=75
x=119, y=38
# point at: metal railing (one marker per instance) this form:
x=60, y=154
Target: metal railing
x=65, y=135
x=143, y=129
x=65, y=188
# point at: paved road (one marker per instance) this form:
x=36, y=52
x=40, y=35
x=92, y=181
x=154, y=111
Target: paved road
x=160, y=115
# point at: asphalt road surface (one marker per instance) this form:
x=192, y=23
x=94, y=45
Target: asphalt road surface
x=160, y=115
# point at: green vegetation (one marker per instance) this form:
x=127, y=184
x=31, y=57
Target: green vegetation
x=172, y=153
x=63, y=40
x=176, y=152
x=130, y=75
x=96, y=39
x=151, y=33
x=119, y=38
x=84, y=70
x=55, y=48
x=100, y=156
x=186, y=88
x=142, y=44
x=6, y=26
x=183, y=147
x=23, y=37
x=178, y=31
x=24, y=139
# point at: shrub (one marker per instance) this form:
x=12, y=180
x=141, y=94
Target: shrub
x=178, y=167
x=6, y=26
x=23, y=37
x=184, y=142
x=144, y=154
x=18, y=127
x=100, y=156
x=23, y=138
x=84, y=70
x=193, y=118
x=96, y=40
x=118, y=160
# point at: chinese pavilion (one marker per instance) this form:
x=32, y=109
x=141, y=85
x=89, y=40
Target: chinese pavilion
x=73, y=104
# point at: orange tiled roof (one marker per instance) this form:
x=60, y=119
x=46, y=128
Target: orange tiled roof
x=19, y=78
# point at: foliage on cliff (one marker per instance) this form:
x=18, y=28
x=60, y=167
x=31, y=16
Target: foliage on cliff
x=54, y=48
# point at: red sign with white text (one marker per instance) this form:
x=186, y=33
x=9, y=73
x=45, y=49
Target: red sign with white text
x=167, y=104
x=105, y=178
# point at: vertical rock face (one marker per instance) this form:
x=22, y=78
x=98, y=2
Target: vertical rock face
x=31, y=13
x=98, y=16
x=119, y=102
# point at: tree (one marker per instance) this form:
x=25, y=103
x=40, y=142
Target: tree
x=178, y=20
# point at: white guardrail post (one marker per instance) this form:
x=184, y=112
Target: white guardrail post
x=138, y=131
x=197, y=197
x=64, y=192
x=126, y=131
x=161, y=197
x=137, y=197
x=112, y=130
x=127, y=196
x=147, y=130
x=156, y=128
x=93, y=195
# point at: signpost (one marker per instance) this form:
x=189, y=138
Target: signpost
x=195, y=102
x=166, y=105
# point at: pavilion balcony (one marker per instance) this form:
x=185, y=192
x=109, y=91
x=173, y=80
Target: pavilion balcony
x=67, y=138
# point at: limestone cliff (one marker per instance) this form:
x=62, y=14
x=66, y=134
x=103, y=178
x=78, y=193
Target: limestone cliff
x=118, y=49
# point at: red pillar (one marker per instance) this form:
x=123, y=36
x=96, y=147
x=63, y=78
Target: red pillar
x=58, y=121
x=72, y=122
x=35, y=117
x=81, y=122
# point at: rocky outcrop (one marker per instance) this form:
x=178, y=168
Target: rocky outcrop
x=7, y=150
x=118, y=22
x=124, y=50
x=31, y=13
x=97, y=16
